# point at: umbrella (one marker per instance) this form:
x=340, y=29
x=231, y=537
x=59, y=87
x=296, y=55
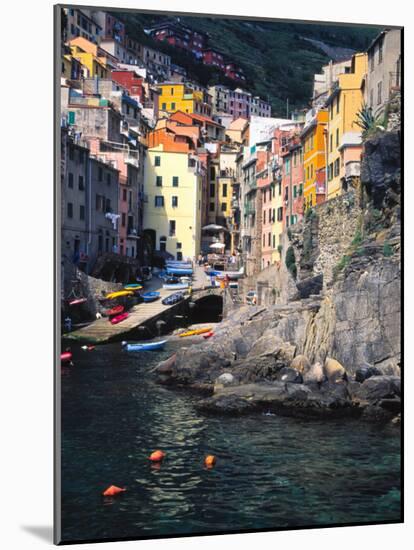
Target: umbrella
x=217, y=245
x=214, y=227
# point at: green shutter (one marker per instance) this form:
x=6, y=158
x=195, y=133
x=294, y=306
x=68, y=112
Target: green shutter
x=71, y=117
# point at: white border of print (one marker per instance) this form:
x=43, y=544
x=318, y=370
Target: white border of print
x=27, y=267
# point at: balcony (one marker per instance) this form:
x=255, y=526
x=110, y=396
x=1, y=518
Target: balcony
x=132, y=233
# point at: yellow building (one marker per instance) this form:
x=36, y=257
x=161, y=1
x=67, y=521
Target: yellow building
x=179, y=97
x=343, y=103
x=314, y=140
x=92, y=65
x=172, y=214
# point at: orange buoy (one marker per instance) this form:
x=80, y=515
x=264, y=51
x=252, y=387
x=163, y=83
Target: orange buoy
x=210, y=461
x=113, y=490
x=157, y=456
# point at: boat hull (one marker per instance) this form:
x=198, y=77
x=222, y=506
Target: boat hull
x=149, y=346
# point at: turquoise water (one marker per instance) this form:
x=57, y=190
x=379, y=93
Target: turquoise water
x=271, y=472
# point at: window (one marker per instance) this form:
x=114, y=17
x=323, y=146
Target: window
x=280, y=214
x=223, y=206
x=330, y=171
x=124, y=194
x=172, y=228
x=179, y=246
x=294, y=191
x=287, y=166
x=337, y=138
x=212, y=173
x=81, y=212
x=380, y=52
x=175, y=181
x=336, y=167
x=337, y=104
x=264, y=216
x=159, y=201
x=174, y=201
x=70, y=181
x=269, y=237
x=172, y=91
x=212, y=207
x=163, y=244
x=264, y=239
x=123, y=219
x=158, y=181
x=108, y=178
x=371, y=98
x=157, y=161
x=70, y=210
x=179, y=256
x=274, y=241
x=224, y=189
x=212, y=190
x=371, y=62
x=100, y=173
x=330, y=142
x=300, y=189
x=164, y=106
x=81, y=184
x=379, y=93
x=172, y=106
x=71, y=149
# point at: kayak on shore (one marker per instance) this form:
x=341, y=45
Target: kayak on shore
x=150, y=296
x=119, y=294
x=173, y=299
x=195, y=332
x=118, y=318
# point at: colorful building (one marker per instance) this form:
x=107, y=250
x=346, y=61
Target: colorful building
x=79, y=23
x=292, y=178
x=132, y=82
x=214, y=58
x=173, y=188
x=180, y=36
x=180, y=97
x=263, y=182
x=315, y=153
x=343, y=103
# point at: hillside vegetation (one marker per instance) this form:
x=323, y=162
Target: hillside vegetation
x=279, y=58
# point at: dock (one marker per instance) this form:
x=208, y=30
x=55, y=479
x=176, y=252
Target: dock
x=143, y=314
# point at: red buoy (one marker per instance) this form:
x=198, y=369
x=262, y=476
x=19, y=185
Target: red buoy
x=210, y=461
x=66, y=357
x=157, y=456
x=112, y=491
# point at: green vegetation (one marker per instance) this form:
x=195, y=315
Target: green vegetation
x=361, y=251
x=278, y=58
x=291, y=262
x=357, y=240
x=369, y=124
x=341, y=265
x=387, y=250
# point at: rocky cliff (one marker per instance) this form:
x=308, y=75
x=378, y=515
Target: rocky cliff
x=332, y=343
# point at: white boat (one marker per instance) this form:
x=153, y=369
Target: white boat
x=229, y=274
x=175, y=286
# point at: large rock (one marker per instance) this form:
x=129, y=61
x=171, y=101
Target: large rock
x=287, y=374
x=300, y=363
x=365, y=372
x=314, y=375
x=333, y=370
x=377, y=388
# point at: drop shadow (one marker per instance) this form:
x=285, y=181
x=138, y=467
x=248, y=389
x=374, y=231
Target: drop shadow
x=43, y=532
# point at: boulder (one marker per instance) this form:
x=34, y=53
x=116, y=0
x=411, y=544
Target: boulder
x=378, y=388
x=333, y=370
x=314, y=375
x=226, y=379
x=225, y=404
x=365, y=372
x=288, y=374
x=300, y=363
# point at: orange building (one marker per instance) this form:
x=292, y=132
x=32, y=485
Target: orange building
x=314, y=143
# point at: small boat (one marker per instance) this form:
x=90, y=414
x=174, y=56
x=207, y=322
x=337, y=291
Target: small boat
x=66, y=357
x=208, y=335
x=145, y=346
x=78, y=301
x=133, y=286
x=150, y=296
x=173, y=299
x=115, y=311
x=229, y=274
x=175, y=286
x=119, y=294
x=118, y=318
x=179, y=270
x=186, y=280
x=195, y=332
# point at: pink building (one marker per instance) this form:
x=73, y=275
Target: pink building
x=291, y=154
x=214, y=58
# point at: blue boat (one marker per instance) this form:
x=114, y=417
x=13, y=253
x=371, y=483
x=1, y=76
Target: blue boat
x=145, y=346
x=173, y=299
x=150, y=296
x=172, y=270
